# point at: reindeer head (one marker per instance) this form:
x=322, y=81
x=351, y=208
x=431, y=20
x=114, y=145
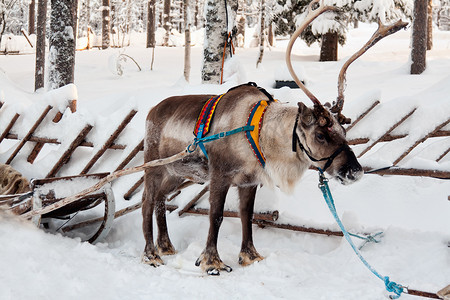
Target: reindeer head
x=319, y=135
x=318, y=132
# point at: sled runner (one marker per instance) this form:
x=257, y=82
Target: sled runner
x=50, y=191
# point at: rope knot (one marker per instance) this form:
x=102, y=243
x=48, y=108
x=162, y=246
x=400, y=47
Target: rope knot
x=393, y=287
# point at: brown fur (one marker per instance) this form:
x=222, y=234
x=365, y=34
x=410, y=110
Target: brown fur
x=12, y=182
x=231, y=163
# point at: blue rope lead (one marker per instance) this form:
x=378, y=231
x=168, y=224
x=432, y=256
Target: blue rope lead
x=391, y=286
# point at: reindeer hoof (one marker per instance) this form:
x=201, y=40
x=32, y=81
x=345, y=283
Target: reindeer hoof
x=246, y=258
x=213, y=272
x=216, y=272
x=152, y=260
x=212, y=267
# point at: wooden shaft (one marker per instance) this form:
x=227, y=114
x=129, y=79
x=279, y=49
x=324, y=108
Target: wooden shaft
x=102, y=182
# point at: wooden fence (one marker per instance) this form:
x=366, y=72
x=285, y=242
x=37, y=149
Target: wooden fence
x=50, y=116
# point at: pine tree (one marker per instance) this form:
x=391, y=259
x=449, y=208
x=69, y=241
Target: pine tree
x=330, y=28
x=39, y=76
x=151, y=24
x=106, y=25
x=419, y=37
x=167, y=24
x=32, y=17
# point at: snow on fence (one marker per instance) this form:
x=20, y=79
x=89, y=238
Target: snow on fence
x=49, y=140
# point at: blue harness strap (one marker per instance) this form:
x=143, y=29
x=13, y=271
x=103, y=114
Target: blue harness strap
x=391, y=286
x=252, y=128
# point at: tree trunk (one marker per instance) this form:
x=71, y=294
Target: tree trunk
x=106, y=25
x=88, y=16
x=430, y=25
x=196, y=15
x=270, y=36
x=329, y=48
x=2, y=24
x=241, y=31
x=151, y=24
x=261, y=35
x=62, y=43
x=216, y=33
x=187, y=41
x=32, y=17
x=166, y=22
x=419, y=37
x=39, y=75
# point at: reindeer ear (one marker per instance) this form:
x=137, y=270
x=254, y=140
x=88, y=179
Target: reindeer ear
x=306, y=114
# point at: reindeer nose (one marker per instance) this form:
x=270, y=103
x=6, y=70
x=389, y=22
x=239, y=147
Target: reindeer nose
x=355, y=173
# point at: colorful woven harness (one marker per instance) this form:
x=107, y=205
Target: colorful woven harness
x=252, y=128
x=255, y=119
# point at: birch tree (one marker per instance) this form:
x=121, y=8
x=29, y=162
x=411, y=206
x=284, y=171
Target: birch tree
x=187, y=40
x=220, y=22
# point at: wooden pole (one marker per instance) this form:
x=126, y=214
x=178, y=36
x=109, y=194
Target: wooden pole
x=360, y=117
x=136, y=185
x=192, y=203
x=439, y=127
x=102, y=182
x=110, y=140
x=8, y=128
x=65, y=157
x=28, y=135
x=130, y=156
x=387, y=133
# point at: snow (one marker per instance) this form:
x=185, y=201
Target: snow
x=413, y=212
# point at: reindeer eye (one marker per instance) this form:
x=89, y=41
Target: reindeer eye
x=320, y=137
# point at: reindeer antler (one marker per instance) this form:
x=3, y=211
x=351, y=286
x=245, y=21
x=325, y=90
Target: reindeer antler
x=382, y=31
x=312, y=14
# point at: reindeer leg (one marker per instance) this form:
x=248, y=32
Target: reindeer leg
x=150, y=256
x=163, y=242
x=209, y=260
x=248, y=254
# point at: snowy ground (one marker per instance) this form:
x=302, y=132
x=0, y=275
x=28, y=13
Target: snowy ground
x=413, y=212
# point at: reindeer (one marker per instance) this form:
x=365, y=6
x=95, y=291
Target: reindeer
x=291, y=140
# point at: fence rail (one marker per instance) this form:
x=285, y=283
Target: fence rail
x=81, y=139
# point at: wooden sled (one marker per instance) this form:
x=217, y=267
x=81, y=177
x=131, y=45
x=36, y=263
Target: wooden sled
x=49, y=191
